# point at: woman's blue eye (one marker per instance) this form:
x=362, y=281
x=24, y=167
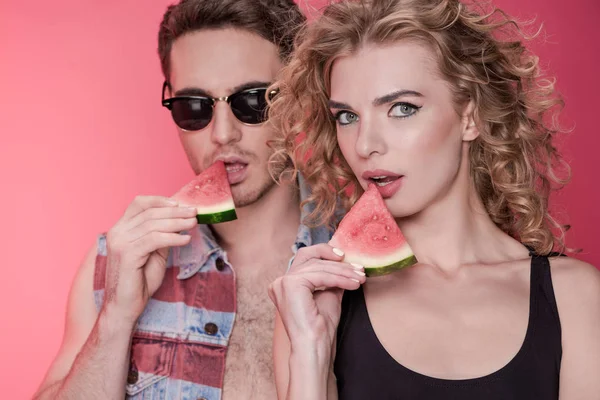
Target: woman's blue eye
x=403, y=110
x=346, y=117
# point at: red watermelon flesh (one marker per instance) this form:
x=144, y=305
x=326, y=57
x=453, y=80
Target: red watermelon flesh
x=369, y=235
x=210, y=193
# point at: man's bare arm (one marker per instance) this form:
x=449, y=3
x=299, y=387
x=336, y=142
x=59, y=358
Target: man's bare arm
x=82, y=368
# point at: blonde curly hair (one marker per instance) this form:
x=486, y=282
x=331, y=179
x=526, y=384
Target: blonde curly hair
x=514, y=163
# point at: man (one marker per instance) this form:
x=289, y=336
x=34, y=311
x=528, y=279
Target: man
x=158, y=314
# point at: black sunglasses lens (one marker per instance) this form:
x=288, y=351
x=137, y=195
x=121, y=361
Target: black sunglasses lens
x=250, y=107
x=191, y=114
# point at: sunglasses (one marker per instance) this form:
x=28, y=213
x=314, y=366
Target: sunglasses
x=193, y=113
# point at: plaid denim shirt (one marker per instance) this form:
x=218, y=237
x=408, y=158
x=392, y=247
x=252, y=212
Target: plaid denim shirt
x=180, y=341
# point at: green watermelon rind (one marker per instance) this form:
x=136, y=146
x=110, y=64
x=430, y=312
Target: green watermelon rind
x=217, y=217
x=215, y=213
x=387, y=269
x=378, y=265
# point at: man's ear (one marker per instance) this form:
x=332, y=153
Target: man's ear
x=469, y=126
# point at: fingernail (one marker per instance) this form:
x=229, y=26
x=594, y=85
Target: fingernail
x=191, y=209
x=360, y=273
x=357, y=266
x=172, y=202
x=355, y=280
x=338, y=252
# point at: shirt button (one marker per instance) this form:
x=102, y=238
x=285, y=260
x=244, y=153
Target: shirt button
x=132, y=376
x=201, y=398
x=211, y=328
x=220, y=264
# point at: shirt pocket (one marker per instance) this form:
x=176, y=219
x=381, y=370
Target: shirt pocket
x=150, y=365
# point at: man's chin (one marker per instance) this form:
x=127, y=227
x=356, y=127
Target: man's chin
x=244, y=194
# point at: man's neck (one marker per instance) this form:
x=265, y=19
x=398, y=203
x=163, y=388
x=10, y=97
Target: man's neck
x=268, y=225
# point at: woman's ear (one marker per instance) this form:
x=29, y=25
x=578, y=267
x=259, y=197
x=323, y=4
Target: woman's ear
x=469, y=126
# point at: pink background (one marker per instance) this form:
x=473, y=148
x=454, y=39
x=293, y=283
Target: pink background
x=83, y=133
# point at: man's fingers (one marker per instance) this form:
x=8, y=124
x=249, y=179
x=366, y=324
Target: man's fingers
x=162, y=225
x=154, y=240
x=157, y=214
x=142, y=203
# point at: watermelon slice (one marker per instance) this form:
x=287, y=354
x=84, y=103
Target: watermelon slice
x=369, y=235
x=210, y=193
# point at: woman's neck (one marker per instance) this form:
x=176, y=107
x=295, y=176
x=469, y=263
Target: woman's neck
x=455, y=230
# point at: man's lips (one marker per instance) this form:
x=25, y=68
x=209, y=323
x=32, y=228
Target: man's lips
x=236, y=168
x=231, y=159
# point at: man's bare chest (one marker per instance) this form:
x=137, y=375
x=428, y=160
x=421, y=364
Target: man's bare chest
x=249, y=365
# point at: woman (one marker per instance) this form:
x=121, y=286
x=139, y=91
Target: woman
x=448, y=117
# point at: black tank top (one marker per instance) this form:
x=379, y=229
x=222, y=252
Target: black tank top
x=365, y=370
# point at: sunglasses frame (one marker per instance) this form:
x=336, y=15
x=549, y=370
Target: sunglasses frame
x=168, y=103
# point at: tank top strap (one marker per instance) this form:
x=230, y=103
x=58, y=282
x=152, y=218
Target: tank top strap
x=542, y=290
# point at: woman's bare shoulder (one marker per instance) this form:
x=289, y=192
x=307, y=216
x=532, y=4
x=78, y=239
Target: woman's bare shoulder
x=577, y=289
